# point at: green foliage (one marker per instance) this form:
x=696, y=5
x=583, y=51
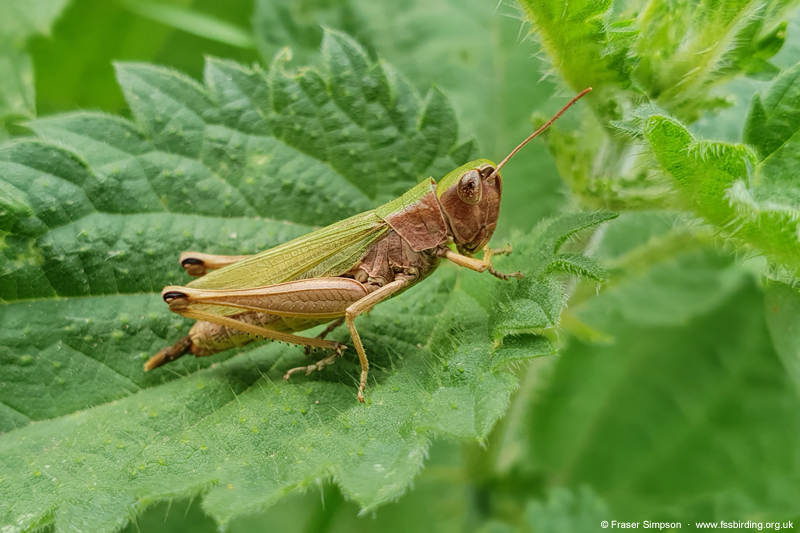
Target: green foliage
x=672, y=55
x=19, y=20
x=194, y=22
x=703, y=397
x=565, y=511
x=602, y=63
x=675, y=394
x=74, y=65
x=438, y=502
x=711, y=177
x=95, y=211
x=782, y=310
x=532, y=307
x=683, y=357
x=752, y=197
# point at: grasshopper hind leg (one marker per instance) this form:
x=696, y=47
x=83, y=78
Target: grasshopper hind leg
x=167, y=355
x=198, y=264
x=332, y=326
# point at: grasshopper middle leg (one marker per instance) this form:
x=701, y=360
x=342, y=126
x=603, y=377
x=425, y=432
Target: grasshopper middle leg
x=361, y=306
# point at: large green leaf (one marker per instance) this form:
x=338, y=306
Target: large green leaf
x=110, y=218
x=95, y=212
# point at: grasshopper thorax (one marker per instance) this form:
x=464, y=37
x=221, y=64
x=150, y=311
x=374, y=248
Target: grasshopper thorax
x=470, y=200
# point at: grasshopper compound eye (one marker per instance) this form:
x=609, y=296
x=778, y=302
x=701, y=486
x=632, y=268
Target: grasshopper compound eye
x=470, y=189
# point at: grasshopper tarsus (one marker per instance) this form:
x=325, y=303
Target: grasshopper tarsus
x=501, y=275
x=361, y=386
x=487, y=256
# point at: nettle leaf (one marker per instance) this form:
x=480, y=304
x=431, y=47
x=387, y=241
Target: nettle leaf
x=522, y=313
x=94, y=215
x=586, y=49
x=686, y=50
x=726, y=184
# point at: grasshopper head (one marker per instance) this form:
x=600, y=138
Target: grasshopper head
x=470, y=200
x=470, y=195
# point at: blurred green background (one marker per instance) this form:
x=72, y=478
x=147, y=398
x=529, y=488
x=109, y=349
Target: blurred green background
x=670, y=399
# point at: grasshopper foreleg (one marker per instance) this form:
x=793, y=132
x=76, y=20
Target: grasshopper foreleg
x=480, y=265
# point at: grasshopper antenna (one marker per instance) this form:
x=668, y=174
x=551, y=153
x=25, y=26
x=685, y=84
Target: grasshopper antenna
x=538, y=132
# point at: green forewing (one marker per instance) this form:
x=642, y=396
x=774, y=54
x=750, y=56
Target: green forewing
x=330, y=251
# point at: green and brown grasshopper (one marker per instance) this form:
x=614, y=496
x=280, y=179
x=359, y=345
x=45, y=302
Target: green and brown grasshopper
x=338, y=272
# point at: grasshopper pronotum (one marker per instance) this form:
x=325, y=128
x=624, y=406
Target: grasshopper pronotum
x=338, y=272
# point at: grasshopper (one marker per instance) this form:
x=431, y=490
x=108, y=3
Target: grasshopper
x=336, y=273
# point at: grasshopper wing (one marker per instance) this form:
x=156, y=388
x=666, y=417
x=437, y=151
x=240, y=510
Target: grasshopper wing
x=327, y=252
x=330, y=251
